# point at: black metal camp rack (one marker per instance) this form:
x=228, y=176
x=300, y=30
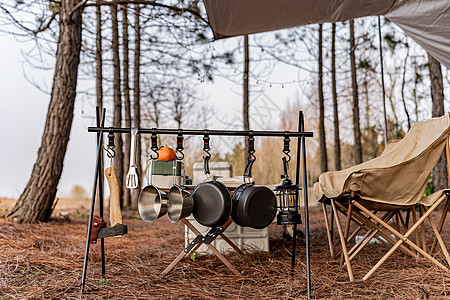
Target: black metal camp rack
x=101, y=231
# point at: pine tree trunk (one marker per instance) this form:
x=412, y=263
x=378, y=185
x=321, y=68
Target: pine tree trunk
x=356, y=126
x=36, y=202
x=117, y=120
x=99, y=82
x=337, y=140
x=136, y=98
x=322, y=137
x=126, y=98
x=440, y=180
x=246, y=92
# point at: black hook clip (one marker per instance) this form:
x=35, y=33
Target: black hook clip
x=251, y=144
x=206, y=149
x=287, y=158
x=110, y=151
x=286, y=149
x=180, y=147
x=154, y=147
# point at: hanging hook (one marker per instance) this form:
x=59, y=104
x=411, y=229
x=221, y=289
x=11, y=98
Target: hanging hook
x=251, y=145
x=180, y=147
x=206, y=149
x=287, y=158
x=110, y=153
x=286, y=149
x=154, y=147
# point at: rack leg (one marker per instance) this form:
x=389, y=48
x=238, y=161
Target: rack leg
x=91, y=213
x=294, y=242
x=305, y=198
x=100, y=196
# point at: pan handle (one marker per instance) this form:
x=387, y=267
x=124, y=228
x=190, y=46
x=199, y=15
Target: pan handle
x=248, y=168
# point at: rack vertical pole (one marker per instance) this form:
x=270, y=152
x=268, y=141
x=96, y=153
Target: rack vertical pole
x=94, y=192
x=100, y=194
x=305, y=198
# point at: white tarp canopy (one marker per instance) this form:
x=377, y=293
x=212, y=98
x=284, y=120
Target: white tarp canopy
x=425, y=21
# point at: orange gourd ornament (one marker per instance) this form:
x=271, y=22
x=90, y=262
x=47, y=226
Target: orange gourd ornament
x=166, y=154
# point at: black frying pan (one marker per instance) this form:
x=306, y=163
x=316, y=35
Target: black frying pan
x=212, y=204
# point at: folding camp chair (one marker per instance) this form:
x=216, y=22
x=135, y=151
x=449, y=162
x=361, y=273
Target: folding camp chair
x=390, y=187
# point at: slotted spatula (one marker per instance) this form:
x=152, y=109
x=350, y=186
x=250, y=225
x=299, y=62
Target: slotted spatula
x=132, y=176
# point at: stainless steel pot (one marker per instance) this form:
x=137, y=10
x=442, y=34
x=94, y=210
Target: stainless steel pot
x=152, y=203
x=181, y=204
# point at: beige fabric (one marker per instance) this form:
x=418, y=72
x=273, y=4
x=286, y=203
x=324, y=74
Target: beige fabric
x=426, y=21
x=397, y=177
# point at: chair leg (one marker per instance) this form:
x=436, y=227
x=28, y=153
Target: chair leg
x=439, y=238
x=424, y=239
x=441, y=222
x=402, y=238
x=402, y=222
x=329, y=232
x=408, y=214
x=343, y=243
x=416, y=233
x=347, y=227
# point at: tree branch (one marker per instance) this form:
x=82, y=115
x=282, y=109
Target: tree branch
x=153, y=3
x=48, y=23
x=74, y=9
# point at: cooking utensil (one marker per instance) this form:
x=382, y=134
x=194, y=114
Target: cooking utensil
x=152, y=203
x=181, y=204
x=253, y=205
x=115, y=213
x=212, y=203
x=132, y=180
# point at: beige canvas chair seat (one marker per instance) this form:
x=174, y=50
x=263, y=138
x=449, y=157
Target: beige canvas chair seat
x=392, y=185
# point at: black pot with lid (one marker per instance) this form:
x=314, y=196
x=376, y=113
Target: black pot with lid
x=253, y=205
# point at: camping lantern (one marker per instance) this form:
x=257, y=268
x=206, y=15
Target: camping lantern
x=287, y=203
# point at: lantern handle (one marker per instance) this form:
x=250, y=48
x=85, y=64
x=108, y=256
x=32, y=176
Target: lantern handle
x=286, y=166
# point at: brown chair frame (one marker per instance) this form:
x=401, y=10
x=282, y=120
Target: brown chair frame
x=378, y=227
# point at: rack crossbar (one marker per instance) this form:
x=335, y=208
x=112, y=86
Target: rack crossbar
x=203, y=132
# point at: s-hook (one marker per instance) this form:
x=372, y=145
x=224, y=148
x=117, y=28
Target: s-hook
x=206, y=149
x=287, y=158
x=251, y=158
x=154, y=147
x=180, y=147
x=251, y=144
x=110, y=151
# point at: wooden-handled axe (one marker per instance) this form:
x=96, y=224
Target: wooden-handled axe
x=115, y=213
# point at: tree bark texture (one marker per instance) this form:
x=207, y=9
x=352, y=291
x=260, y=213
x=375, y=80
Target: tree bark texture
x=246, y=92
x=356, y=126
x=126, y=98
x=99, y=81
x=337, y=140
x=440, y=180
x=36, y=202
x=136, y=98
x=322, y=137
x=117, y=119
